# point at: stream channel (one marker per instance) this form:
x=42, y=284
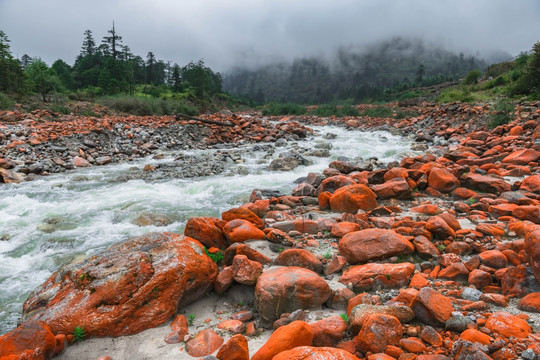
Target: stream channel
x=46, y=223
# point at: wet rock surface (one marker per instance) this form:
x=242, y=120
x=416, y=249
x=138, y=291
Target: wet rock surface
x=434, y=256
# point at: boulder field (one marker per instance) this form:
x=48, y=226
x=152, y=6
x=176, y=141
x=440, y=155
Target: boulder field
x=433, y=257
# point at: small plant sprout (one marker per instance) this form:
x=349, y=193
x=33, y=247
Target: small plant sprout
x=78, y=334
x=345, y=318
x=191, y=318
x=327, y=255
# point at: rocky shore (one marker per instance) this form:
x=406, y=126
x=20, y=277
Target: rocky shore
x=434, y=257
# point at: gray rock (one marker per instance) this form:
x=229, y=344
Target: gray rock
x=471, y=294
x=458, y=323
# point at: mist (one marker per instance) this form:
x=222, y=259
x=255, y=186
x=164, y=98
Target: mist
x=248, y=33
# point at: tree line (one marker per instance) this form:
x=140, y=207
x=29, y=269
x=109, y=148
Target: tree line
x=106, y=68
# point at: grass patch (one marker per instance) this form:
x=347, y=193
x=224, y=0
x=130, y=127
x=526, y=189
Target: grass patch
x=454, y=94
x=502, y=114
x=6, y=102
x=387, y=112
x=274, y=109
x=327, y=110
x=145, y=106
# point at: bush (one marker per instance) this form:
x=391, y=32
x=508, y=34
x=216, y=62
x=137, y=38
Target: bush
x=454, y=94
x=143, y=106
x=274, y=109
x=502, y=114
x=337, y=110
x=6, y=102
x=472, y=77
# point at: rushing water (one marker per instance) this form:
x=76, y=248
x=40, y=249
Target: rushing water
x=46, y=223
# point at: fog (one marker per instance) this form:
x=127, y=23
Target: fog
x=228, y=34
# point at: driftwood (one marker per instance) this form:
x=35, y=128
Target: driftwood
x=203, y=120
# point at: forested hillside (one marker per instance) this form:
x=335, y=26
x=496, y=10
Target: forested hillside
x=352, y=73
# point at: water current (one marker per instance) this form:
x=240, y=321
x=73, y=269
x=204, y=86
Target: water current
x=50, y=221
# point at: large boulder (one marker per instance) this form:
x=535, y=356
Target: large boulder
x=373, y=276
x=315, y=353
x=297, y=333
x=379, y=331
x=373, y=244
x=240, y=230
x=397, y=188
x=352, y=198
x=286, y=289
x=134, y=285
x=207, y=230
x=432, y=307
x=442, y=180
x=32, y=340
x=522, y=157
x=532, y=249
x=300, y=257
x=485, y=183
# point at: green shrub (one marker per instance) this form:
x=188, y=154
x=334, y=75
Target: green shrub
x=274, y=109
x=455, y=94
x=6, y=102
x=502, y=114
x=326, y=110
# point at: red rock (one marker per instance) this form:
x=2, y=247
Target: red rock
x=396, y=188
x=342, y=228
x=502, y=209
x=205, y=343
x=224, y=280
x=78, y=161
x=293, y=335
x=490, y=229
x=527, y=212
x=277, y=236
x=343, y=167
x=236, y=348
x=522, y=157
x=413, y=345
x=180, y=324
x=233, y=326
x=431, y=307
x=374, y=275
x=243, y=249
x=442, y=180
x=324, y=200
x=457, y=272
x=531, y=183
x=440, y=228
x=315, y=353
x=424, y=247
x=450, y=220
x=131, y=286
x=530, y=302
x=372, y=244
x=336, y=264
x=32, y=340
x=240, y=230
x=300, y=257
x=245, y=214
x=485, y=183
x=207, y=231
x=333, y=183
x=382, y=356
x=508, y=325
x=303, y=189
x=428, y=209
x=474, y=335
x=497, y=299
x=431, y=336
x=246, y=271
x=378, y=332
x=329, y=331
x=360, y=312
x=532, y=249
x=418, y=281
x=463, y=193
x=286, y=289
x=61, y=343
x=10, y=176
x=352, y=198
x=479, y=278
x=340, y=298
x=493, y=258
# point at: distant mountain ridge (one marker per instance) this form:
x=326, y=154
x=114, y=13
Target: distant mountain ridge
x=352, y=73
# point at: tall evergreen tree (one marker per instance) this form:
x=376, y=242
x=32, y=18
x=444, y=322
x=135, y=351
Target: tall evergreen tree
x=11, y=74
x=113, y=41
x=89, y=44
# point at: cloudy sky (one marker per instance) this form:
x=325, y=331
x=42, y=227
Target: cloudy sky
x=232, y=32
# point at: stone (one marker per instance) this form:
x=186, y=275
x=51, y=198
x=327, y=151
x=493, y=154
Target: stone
x=373, y=244
x=490, y=229
x=293, y=335
x=431, y=336
x=315, y=353
x=151, y=219
x=485, y=183
x=424, y=247
x=440, y=228
x=300, y=257
x=474, y=335
x=240, y=230
x=232, y=326
x=396, y=188
x=465, y=350
x=442, y=180
x=361, y=312
x=31, y=340
x=206, y=230
x=431, y=307
x=204, y=343
x=245, y=214
x=493, y=258
x=10, y=176
x=236, y=348
x=530, y=302
x=343, y=228
x=246, y=271
x=522, y=157
x=286, y=289
x=412, y=345
x=133, y=285
x=352, y=198
x=507, y=325
x=479, y=278
x=329, y=331
x=333, y=183
x=531, y=183
x=458, y=323
x=527, y=212
x=532, y=250
x=379, y=331
x=374, y=276
x=78, y=161
x=224, y=280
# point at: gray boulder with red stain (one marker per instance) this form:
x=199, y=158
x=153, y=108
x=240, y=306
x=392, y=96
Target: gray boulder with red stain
x=131, y=286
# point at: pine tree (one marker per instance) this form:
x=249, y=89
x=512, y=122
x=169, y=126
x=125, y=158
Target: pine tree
x=113, y=41
x=89, y=44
